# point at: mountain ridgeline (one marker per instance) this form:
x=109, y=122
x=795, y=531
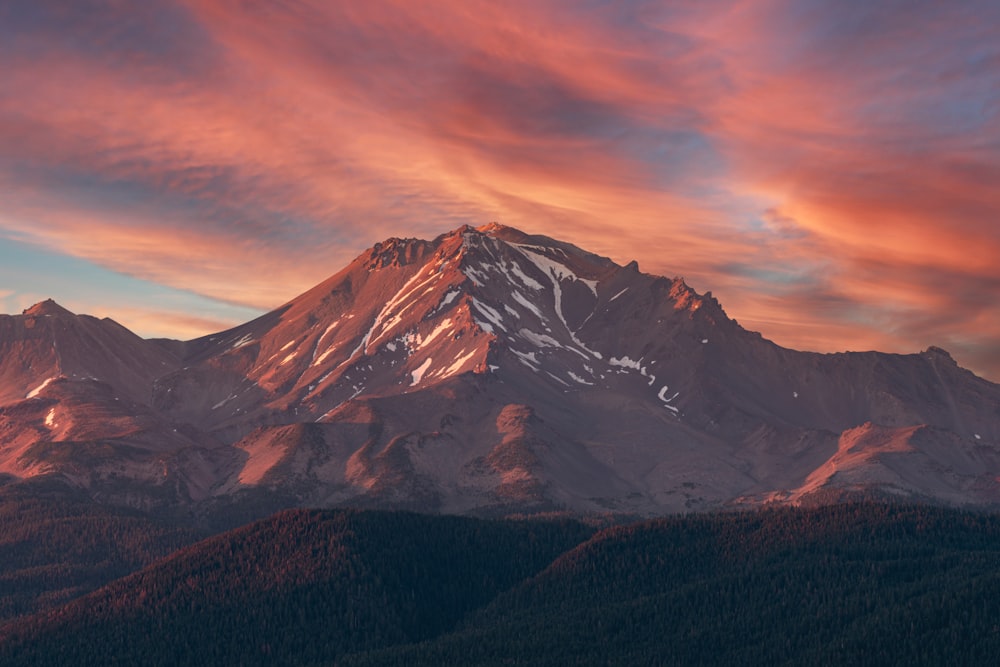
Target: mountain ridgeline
x=487, y=372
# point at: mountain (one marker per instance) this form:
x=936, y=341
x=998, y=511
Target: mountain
x=49, y=342
x=75, y=400
x=489, y=371
x=845, y=584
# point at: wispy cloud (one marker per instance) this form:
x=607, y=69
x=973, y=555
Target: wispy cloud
x=828, y=170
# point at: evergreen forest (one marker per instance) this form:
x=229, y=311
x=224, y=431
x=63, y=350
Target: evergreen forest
x=852, y=584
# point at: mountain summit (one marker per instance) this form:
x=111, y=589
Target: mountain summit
x=46, y=308
x=491, y=371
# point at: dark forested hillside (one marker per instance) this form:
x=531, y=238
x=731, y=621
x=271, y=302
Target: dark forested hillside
x=56, y=544
x=300, y=587
x=848, y=584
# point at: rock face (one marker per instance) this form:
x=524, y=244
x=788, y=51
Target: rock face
x=489, y=371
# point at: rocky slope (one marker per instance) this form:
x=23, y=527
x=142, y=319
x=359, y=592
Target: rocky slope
x=490, y=371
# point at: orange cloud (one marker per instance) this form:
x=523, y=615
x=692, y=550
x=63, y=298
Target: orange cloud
x=828, y=171
x=153, y=323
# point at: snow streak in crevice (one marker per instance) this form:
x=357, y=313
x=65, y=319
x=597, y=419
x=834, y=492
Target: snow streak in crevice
x=555, y=272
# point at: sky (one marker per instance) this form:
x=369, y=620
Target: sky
x=830, y=170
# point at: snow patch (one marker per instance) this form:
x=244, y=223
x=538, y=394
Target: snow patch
x=391, y=346
x=477, y=277
x=418, y=374
x=246, y=340
x=489, y=313
x=287, y=345
x=525, y=279
x=528, y=359
x=34, y=392
x=530, y=356
x=978, y=437
x=288, y=358
x=521, y=299
x=557, y=379
x=448, y=298
x=330, y=328
x=538, y=340
x=579, y=379
x=407, y=290
x=457, y=366
x=319, y=341
x=617, y=295
x=555, y=272
x=704, y=340
x=223, y=402
x=662, y=395
x=624, y=362
x=581, y=352
x=795, y=394
x=319, y=382
x=322, y=357
x=438, y=330
x=548, y=266
x=50, y=419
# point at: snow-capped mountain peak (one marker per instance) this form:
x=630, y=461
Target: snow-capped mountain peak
x=493, y=368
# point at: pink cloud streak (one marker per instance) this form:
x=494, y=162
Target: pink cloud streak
x=829, y=174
